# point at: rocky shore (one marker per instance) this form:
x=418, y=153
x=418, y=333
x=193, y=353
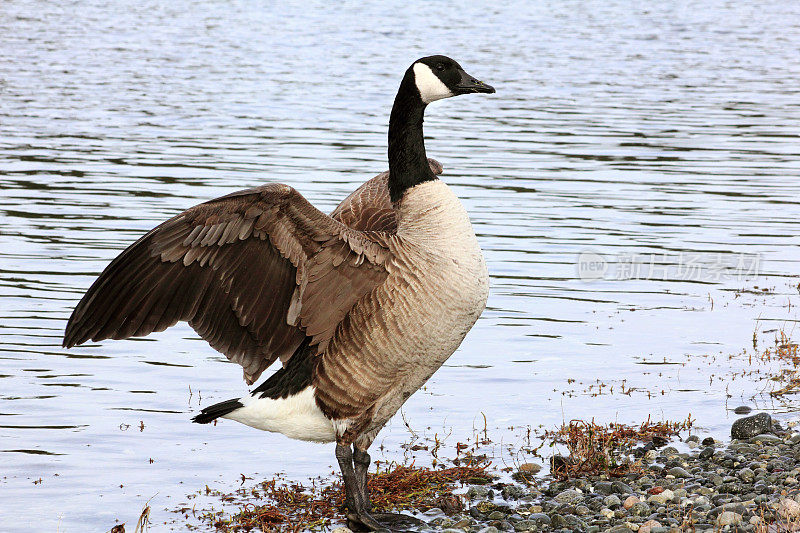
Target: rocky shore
x=750, y=484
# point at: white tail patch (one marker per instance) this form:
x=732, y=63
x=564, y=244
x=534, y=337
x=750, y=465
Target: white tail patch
x=431, y=88
x=296, y=416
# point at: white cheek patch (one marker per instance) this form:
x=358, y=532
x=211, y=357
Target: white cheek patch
x=430, y=86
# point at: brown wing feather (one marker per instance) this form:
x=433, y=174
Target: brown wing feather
x=251, y=272
x=369, y=208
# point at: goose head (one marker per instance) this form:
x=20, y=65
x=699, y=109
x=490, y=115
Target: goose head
x=437, y=77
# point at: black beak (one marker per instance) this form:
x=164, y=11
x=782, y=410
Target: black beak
x=468, y=84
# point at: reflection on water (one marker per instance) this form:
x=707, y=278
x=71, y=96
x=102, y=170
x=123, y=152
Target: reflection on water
x=662, y=141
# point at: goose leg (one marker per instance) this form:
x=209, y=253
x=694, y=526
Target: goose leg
x=361, y=460
x=357, y=512
x=390, y=521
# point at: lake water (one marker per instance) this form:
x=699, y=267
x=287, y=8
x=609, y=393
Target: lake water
x=634, y=184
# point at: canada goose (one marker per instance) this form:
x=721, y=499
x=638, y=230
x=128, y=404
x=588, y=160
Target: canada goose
x=361, y=307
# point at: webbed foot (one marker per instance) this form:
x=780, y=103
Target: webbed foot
x=394, y=522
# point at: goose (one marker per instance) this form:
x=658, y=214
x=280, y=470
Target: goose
x=361, y=307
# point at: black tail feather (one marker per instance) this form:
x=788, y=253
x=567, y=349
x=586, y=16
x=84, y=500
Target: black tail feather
x=212, y=412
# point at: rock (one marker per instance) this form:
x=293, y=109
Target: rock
x=692, y=438
x=658, y=442
x=341, y=530
x=512, y=492
x=540, y=519
x=789, y=508
x=557, y=521
x=524, y=525
x=708, y=441
x=450, y=504
x=569, y=496
x=750, y=426
x=662, y=498
x=766, y=439
x=559, y=463
x=746, y=475
x=742, y=410
x=477, y=491
x=706, y=453
x=604, y=487
x=496, y=515
x=531, y=468
x=639, y=509
x=490, y=529
x=489, y=507
x=621, y=488
x=649, y=525
x=630, y=501
x=729, y=518
x=678, y=472
x=612, y=501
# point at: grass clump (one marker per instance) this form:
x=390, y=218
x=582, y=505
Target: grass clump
x=292, y=507
x=594, y=449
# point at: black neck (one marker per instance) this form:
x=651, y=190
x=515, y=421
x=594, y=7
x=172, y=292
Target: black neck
x=408, y=164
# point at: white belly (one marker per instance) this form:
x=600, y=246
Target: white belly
x=295, y=416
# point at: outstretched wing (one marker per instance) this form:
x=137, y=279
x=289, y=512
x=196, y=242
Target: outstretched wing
x=254, y=273
x=369, y=208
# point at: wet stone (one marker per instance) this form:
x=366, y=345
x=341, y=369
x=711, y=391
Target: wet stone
x=568, y=496
x=750, y=426
x=746, y=475
x=604, y=487
x=540, y=519
x=678, y=472
x=706, y=453
x=621, y=488
x=766, y=438
x=729, y=518
x=612, y=501
x=477, y=491
x=742, y=410
x=639, y=509
x=524, y=525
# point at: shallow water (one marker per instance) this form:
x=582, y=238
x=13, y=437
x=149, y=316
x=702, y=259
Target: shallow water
x=635, y=171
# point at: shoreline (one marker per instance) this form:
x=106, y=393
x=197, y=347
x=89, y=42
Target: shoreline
x=749, y=484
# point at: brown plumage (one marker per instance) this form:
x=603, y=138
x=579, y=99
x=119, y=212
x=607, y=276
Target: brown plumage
x=253, y=272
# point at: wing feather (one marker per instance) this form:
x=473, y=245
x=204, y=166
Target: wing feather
x=252, y=272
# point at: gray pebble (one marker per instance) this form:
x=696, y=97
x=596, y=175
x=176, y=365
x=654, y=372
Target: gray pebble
x=568, y=496
x=746, y=475
x=540, y=519
x=678, y=472
x=621, y=488
x=639, y=509
x=612, y=501
x=706, y=453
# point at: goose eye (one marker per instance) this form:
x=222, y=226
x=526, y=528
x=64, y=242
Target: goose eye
x=440, y=66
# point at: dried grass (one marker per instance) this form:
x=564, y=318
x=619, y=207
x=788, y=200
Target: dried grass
x=293, y=508
x=595, y=449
